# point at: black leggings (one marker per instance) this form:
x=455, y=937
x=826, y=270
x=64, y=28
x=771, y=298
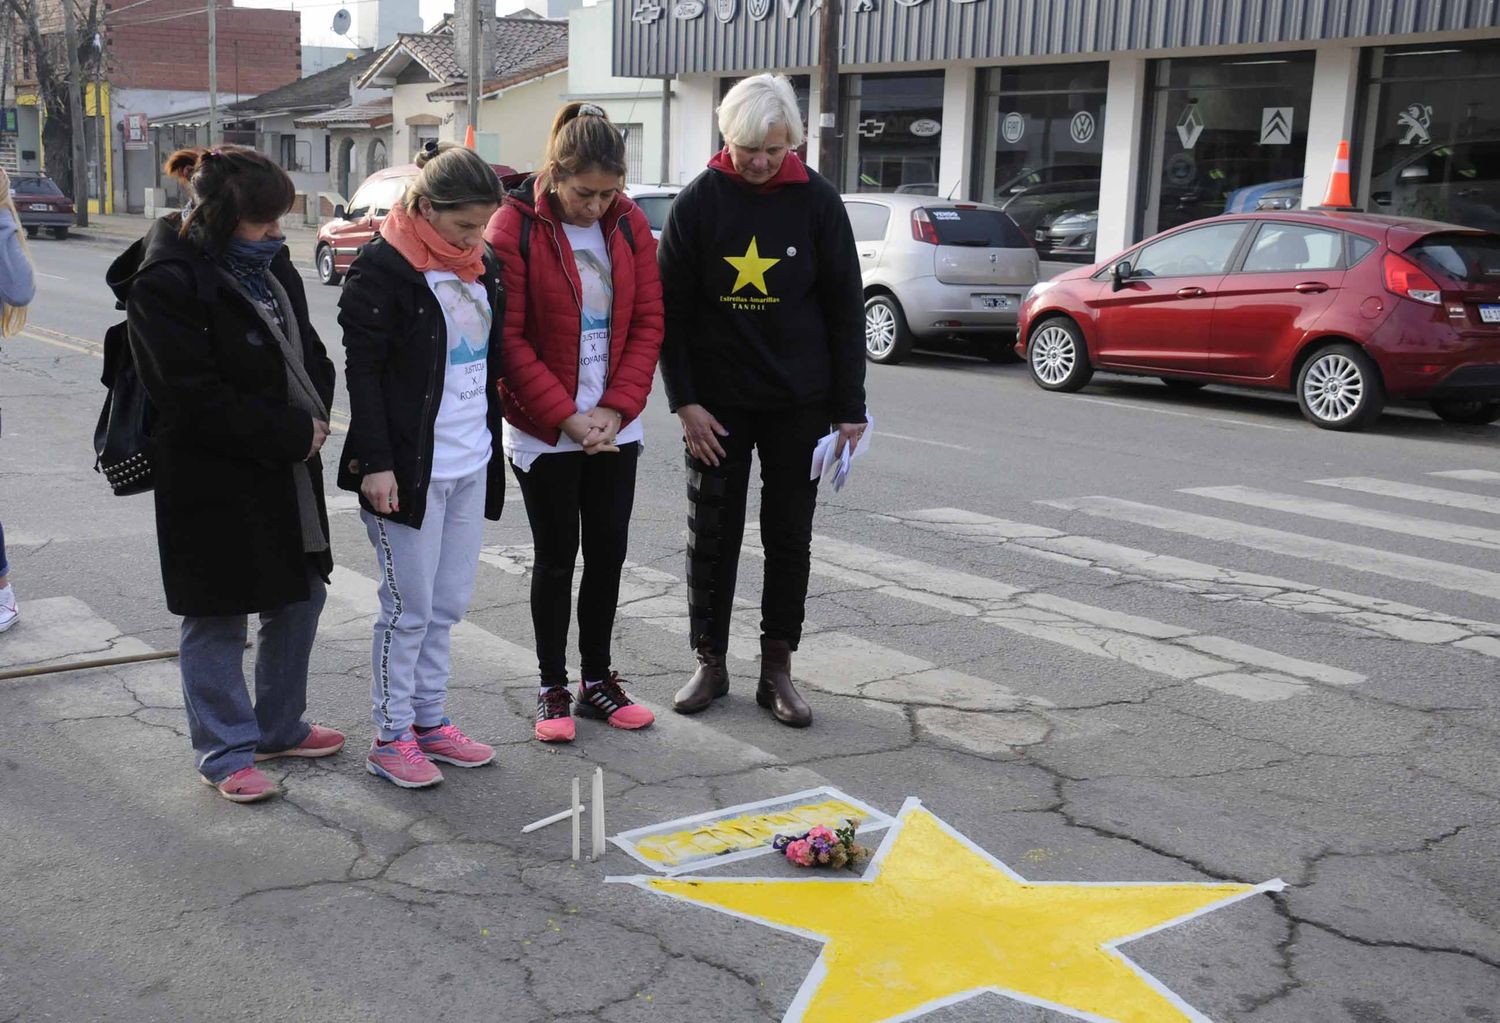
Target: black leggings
x=563, y=491
x=716, y=522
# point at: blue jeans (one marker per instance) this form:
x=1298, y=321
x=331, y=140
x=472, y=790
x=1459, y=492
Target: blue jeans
x=4, y=564
x=226, y=730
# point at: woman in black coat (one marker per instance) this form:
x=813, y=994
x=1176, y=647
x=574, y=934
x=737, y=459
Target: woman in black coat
x=241, y=387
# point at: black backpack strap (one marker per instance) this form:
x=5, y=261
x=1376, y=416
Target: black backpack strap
x=527, y=220
x=628, y=232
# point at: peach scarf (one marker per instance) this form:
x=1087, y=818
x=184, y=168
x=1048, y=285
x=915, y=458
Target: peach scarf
x=425, y=249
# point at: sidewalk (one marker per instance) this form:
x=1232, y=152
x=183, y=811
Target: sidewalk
x=126, y=227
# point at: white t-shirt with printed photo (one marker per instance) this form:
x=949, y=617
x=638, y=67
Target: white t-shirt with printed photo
x=462, y=444
x=591, y=257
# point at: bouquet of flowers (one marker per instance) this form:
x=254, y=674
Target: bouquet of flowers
x=822, y=847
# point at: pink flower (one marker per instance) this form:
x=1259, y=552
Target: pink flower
x=823, y=833
x=800, y=853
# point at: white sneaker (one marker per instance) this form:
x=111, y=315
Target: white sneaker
x=9, y=612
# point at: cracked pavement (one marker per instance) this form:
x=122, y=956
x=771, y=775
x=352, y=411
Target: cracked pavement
x=1038, y=677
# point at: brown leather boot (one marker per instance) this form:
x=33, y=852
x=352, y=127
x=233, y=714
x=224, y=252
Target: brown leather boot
x=776, y=692
x=708, y=683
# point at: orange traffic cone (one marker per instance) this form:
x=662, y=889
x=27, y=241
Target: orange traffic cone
x=469, y=143
x=1338, y=182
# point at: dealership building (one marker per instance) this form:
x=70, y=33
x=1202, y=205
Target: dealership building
x=1099, y=122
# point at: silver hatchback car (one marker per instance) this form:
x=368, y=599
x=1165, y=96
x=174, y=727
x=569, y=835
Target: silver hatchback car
x=935, y=268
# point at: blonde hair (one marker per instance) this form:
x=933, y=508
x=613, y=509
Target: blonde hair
x=13, y=317
x=452, y=176
x=583, y=139
x=753, y=106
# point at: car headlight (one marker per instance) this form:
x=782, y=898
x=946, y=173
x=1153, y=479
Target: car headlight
x=1277, y=202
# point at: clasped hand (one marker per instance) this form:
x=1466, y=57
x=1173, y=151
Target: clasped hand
x=594, y=430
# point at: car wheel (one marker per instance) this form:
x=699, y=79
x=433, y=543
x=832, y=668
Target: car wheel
x=1183, y=386
x=1058, y=357
x=1474, y=413
x=887, y=337
x=326, y=271
x=1340, y=389
x=60, y=233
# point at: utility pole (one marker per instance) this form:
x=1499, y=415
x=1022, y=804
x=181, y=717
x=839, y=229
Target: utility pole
x=75, y=114
x=476, y=73
x=213, y=74
x=666, y=132
x=830, y=149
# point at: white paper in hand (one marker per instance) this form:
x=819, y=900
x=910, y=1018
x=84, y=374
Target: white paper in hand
x=836, y=469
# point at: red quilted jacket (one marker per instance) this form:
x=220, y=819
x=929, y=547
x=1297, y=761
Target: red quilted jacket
x=543, y=315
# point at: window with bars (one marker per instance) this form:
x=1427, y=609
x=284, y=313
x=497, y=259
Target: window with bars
x=635, y=151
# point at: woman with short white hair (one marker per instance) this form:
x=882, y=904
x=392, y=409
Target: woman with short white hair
x=764, y=352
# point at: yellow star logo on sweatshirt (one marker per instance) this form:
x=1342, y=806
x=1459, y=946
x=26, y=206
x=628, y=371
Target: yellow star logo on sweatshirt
x=751, y=268
x=935, y=920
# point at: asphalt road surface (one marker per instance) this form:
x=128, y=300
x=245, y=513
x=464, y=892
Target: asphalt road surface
x=1109, y=638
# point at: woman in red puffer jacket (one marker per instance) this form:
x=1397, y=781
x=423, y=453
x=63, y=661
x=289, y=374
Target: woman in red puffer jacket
x=583, y=328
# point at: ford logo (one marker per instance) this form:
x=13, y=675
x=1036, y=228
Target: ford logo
x=687, y=10
x=925, y=127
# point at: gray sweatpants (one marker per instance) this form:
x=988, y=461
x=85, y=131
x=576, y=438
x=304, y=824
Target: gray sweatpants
x=426, y=580
x=227, y=729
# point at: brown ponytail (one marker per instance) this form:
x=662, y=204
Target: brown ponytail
x=583, y=139
x=230, y=185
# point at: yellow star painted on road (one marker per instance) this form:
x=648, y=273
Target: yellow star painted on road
x=751, y=268
x=936, y=920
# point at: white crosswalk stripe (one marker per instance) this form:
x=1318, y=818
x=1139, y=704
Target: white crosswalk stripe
x=1383, y=617
x=1469, y=475
x=1152, y=646
x=1354, y=515
x=1407, y=567
x=834, y=662
x=1415, y=492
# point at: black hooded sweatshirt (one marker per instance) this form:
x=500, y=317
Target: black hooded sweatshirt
x=764, y=303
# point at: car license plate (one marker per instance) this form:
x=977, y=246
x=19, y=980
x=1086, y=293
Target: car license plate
x=1489, y=314
x=41, y=207
x=995, y=302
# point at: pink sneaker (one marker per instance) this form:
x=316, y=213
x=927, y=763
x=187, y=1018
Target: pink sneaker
x=247, y=785
x=554, y=715
x=606, y=701
x=448, y=744
x=320, y=742
x=401, y=762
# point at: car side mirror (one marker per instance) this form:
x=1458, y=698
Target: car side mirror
x=339, y=211
x=1120, y=273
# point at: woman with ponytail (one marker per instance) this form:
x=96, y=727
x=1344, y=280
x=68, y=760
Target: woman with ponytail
x=582, y=332
x=241, y=387
x=17, y=288
x=421, y=312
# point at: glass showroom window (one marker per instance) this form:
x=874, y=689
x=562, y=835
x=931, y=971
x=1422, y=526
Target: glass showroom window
x=1043, y=131
x=1432, y=133
x=894, y=125
x=1229, y=135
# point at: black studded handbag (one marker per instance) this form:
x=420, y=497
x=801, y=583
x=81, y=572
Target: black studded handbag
x=122, y=440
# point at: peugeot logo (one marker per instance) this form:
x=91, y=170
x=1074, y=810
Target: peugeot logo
x=992, y=257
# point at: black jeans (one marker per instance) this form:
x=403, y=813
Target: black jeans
x=563, y=491
x=785, y=439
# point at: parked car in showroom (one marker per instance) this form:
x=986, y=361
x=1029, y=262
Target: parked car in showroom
x=41, y=204
x=934, y=268
x=655, y=201
x=353, y=225
x=1343, y=309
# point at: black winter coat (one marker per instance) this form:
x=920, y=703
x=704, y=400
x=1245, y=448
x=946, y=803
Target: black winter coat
x=395, y=363
x=225, y=438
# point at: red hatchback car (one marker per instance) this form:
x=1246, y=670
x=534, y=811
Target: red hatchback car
x=1344, y=309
